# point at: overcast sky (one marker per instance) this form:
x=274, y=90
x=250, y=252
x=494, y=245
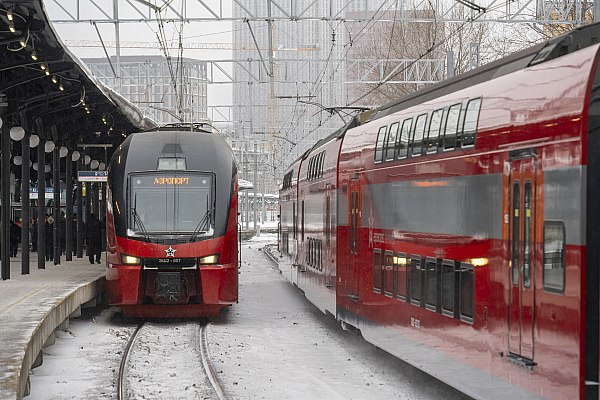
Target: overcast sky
x=204, y=32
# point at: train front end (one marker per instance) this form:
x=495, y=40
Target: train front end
x=172, y=225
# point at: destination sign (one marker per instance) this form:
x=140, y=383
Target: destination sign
x=172, y=181
x=92, y=176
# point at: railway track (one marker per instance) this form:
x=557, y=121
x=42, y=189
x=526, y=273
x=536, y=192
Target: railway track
x=214, y=385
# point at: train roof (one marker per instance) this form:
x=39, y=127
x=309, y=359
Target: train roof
x=572, y=41
x=185, y=127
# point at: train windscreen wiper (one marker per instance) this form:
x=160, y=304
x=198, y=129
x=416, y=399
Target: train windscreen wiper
x=203, y=225
x=138, y=220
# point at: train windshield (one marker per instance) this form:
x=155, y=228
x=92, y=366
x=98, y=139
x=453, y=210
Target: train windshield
x=171, y=203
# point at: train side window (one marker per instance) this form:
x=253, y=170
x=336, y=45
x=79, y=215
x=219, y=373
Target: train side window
x=321, y=162
x=404, y=138
x=417, y=139
x=431, y=291
x=435, y=123
x=515, y=238
x=467, y=293
x=415, y=280
x=388, y=274
x=400, y=266
x=470, y=123
x=448, y=288
x=390, y=147
x=376, y=272
x=294, y=220
x=320, y=259
x=380, y=144
x=451, y=127
x=554, y=256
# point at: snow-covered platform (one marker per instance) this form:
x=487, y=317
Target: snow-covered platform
x=33, y=306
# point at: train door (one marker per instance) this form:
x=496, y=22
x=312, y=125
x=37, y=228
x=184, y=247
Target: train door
x=354, y=218
x=327, y=227
x=522, y=213
x=295, y=262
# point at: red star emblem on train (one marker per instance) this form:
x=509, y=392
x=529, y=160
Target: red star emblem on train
x=170, y=251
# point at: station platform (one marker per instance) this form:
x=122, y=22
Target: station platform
x=33, y=306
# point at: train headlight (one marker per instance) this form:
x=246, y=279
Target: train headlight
x=212, y=259
x=127, y=259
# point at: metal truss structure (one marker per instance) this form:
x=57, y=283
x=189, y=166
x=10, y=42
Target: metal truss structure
x=290, y=62
x=571, y=12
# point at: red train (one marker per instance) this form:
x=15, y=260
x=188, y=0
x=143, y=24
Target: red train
x=459, y=227
x=172, y=235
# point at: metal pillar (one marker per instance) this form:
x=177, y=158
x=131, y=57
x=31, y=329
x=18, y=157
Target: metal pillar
x=41, y=221
x=25, y=183
x=5, y=195
x=79, y=205
x=449, y=64
x=56, y=205
x=255, y=202
x=69, y=204
x=264, y=203
x=246, y=209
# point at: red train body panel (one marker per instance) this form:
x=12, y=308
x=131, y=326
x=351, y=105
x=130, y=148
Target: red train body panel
x=465, y=224
x=172, y=251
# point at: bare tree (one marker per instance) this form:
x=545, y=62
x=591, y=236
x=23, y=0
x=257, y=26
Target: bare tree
x=382, y=52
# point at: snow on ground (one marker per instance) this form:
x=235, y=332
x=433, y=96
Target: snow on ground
x=272, y=345
x=275, y=345
x=84, y=362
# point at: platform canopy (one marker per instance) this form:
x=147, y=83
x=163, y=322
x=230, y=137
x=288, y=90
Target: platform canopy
x=46, y=88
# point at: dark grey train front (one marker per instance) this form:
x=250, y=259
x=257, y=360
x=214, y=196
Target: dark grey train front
x=172, y=224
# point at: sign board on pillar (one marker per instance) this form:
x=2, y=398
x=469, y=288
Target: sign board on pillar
x=92, y=176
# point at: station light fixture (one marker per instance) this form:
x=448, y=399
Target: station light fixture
x=54, y=79
x=9, y=14
x=11, y=27
x=61, y=87
x=43, y=66
x=34, y=56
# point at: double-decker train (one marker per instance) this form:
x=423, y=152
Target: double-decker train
x=459, y=227
x=171, y=224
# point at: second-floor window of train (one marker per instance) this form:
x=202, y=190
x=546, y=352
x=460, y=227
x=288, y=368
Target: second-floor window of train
x=379, y=145
x=404, y=138
x=417, y=141
x=390, y=146
x=470, y=126
x=451, y=127
x=435, y=123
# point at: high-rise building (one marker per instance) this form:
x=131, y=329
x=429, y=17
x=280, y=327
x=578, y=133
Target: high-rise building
x=166, y=90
